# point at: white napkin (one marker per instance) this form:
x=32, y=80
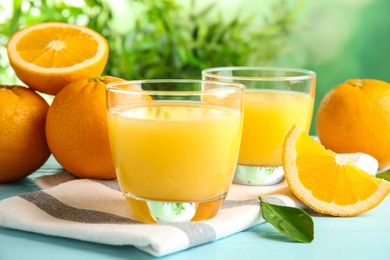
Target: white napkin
x=95, y=211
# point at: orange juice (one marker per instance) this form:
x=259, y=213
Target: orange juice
x=268, y=116
x=174, y=152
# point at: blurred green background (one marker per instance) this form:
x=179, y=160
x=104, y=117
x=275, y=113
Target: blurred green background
x=344, y=40
x=338, y=39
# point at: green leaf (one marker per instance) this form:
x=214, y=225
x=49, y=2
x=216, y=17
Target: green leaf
x=292, y=222
x=384, y=175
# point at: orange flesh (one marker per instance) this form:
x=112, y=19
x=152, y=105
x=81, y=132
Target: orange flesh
x=56, y=47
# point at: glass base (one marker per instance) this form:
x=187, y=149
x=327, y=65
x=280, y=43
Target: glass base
x=258, y=175
x=150, y=211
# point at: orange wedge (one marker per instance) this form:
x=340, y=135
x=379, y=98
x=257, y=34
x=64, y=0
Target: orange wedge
x=321, y=182
x=48, y=56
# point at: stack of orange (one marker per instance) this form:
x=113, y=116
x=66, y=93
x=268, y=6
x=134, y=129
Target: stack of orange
x=66, y=61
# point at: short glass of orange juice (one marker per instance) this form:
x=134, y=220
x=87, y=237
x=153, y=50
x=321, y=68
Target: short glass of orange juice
x=275, y=99
x=175, y=145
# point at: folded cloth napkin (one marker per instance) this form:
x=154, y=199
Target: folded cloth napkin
x=95, y=211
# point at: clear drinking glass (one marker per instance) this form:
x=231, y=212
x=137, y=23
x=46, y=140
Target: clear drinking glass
x=275, y=100
x=175, y=145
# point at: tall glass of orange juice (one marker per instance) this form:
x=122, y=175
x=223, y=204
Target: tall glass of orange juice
x=175, y=145
x=275, y=99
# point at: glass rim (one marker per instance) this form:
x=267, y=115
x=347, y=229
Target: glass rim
x=306, y=74
x=233, y=87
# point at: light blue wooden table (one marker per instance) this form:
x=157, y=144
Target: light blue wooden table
x=363, y=237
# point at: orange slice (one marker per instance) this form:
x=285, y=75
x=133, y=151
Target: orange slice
x=48, y=56
x=321, y=182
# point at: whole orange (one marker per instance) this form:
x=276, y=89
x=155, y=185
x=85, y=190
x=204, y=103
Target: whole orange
x=23, y=147
x=355, y=117
x=76, y=129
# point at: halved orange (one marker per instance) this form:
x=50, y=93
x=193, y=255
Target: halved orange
x=48, y=56
x=327, y=186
